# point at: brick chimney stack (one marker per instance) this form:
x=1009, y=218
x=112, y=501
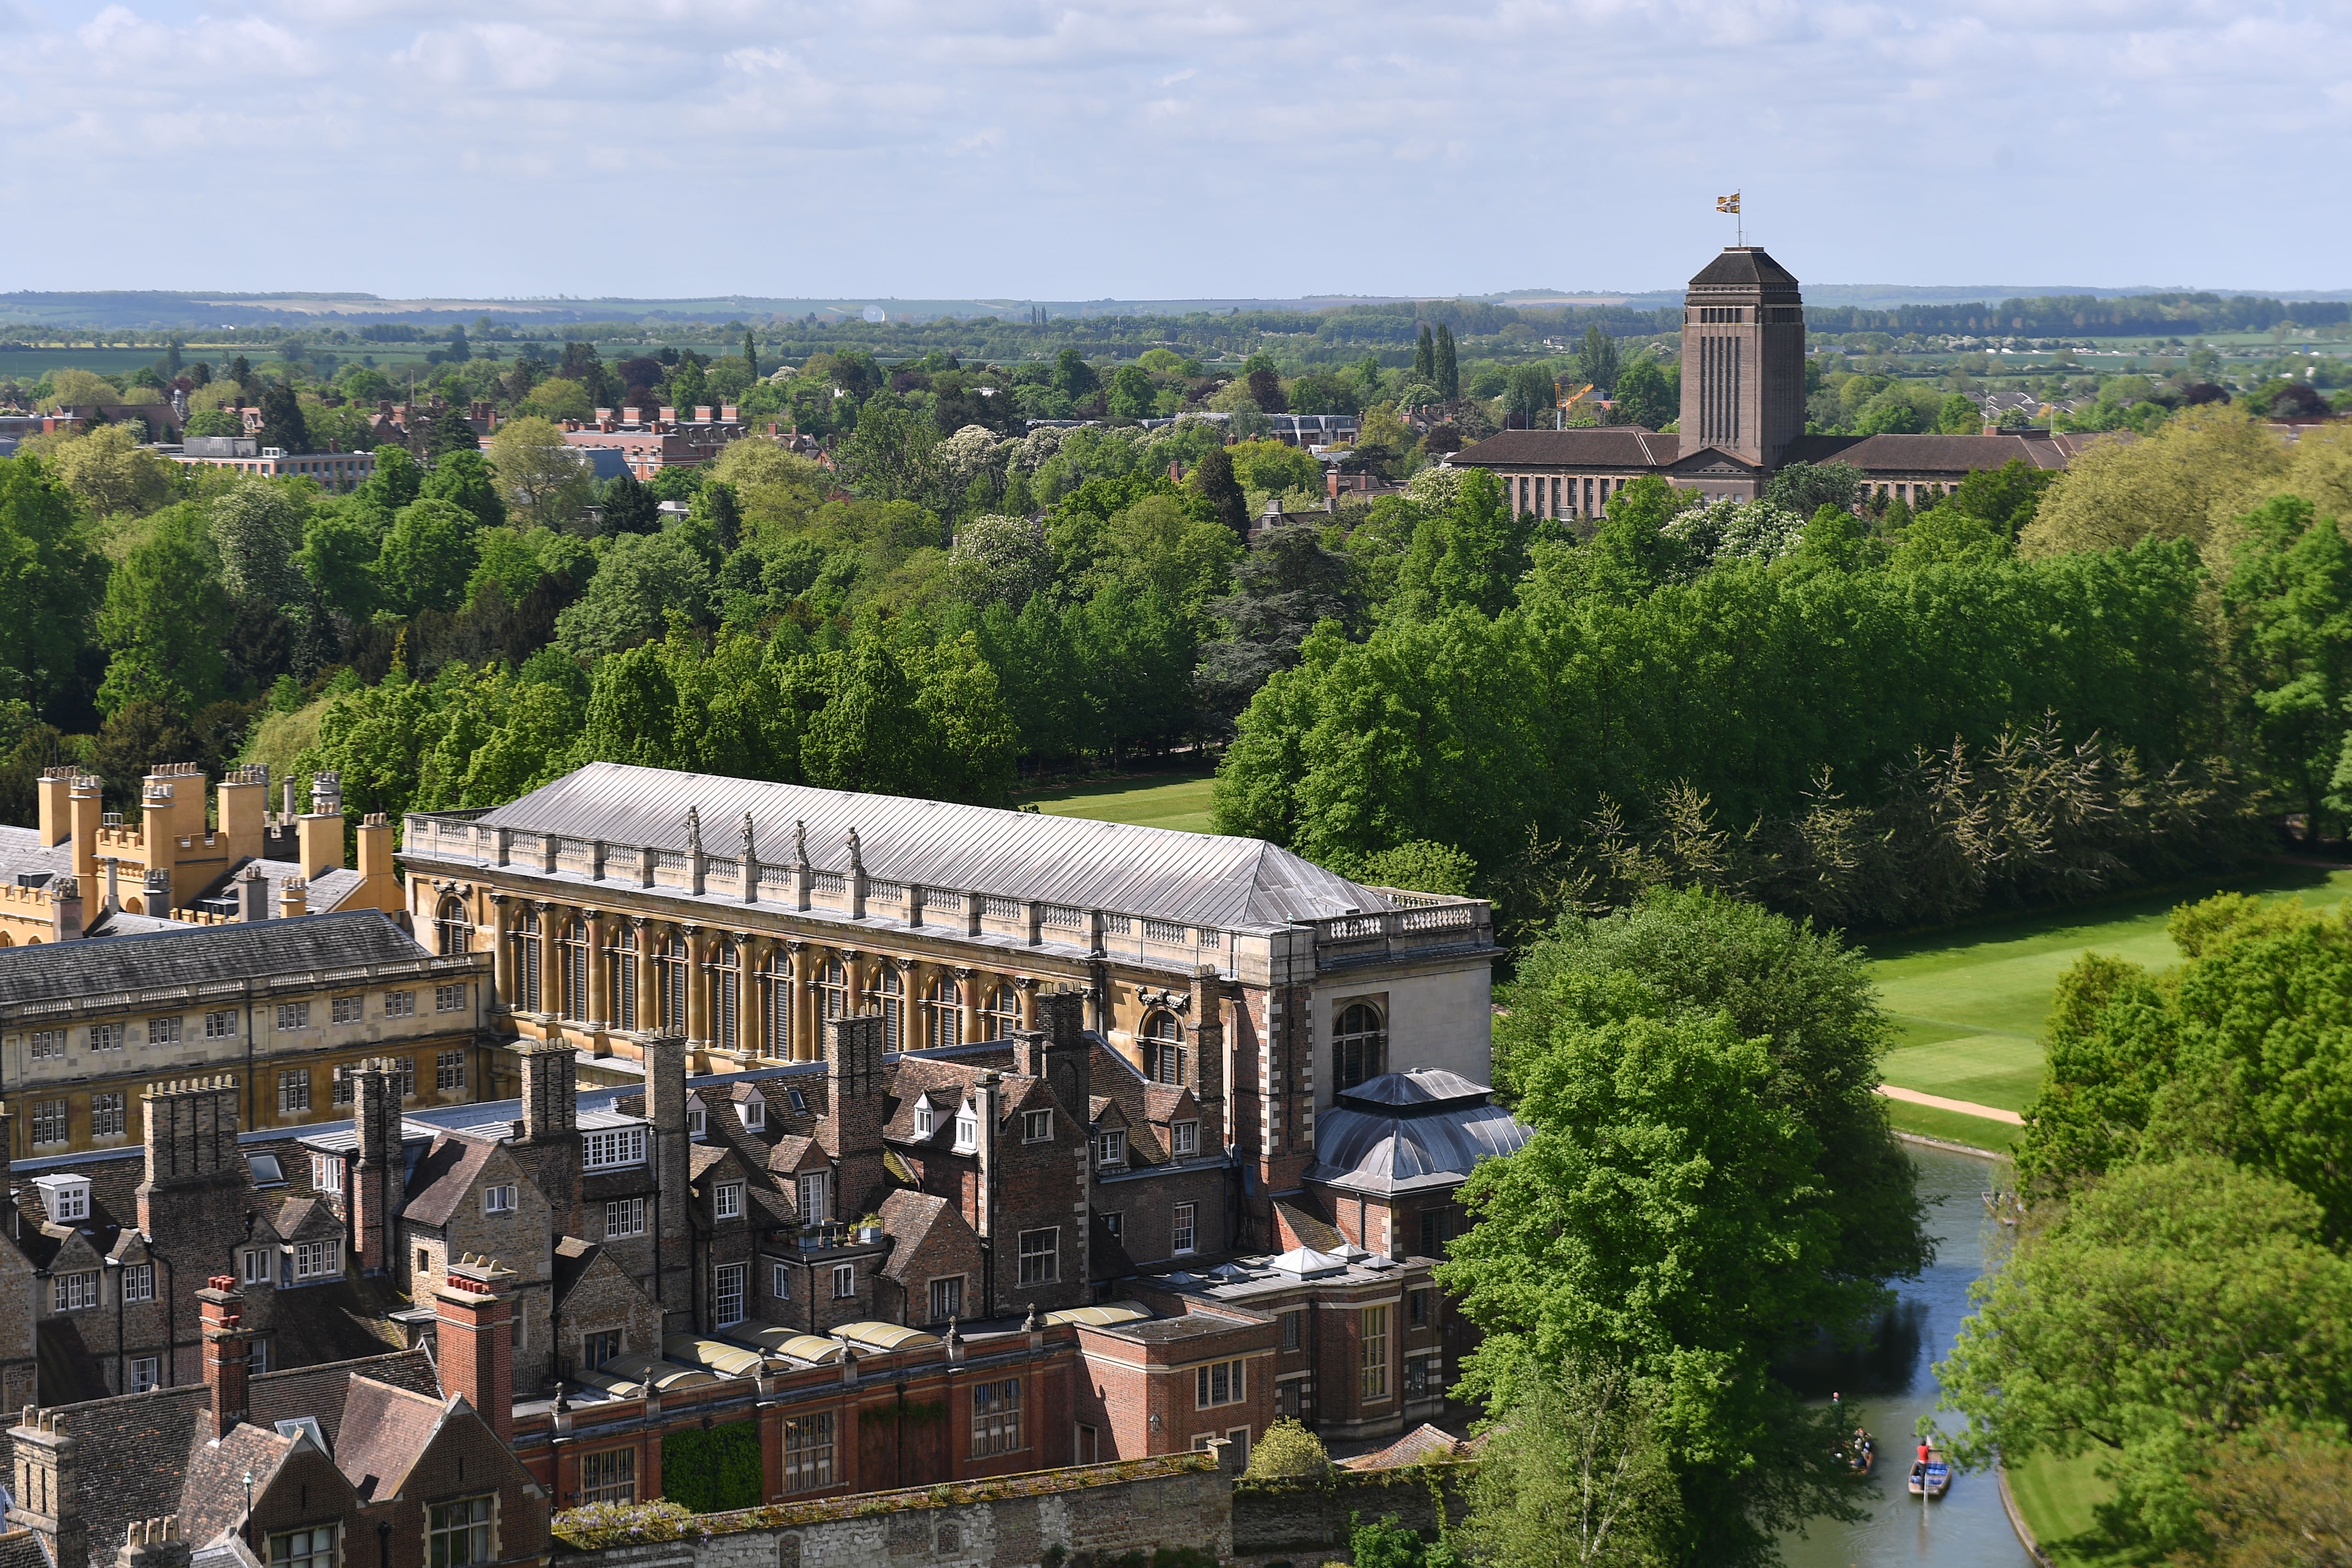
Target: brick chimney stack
x=153, y=1543
x=226, y=1365
x=1205, y=1064
x=1069, y=1058
x=320, y=831
x=192, y=1173
x=549, y=1144
x=44, y=1502
x=377, y=1178
x=473, y=1309
x=850, y=1131
x=665, y=1058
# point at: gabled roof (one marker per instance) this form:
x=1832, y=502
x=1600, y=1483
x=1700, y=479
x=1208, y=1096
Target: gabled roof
x=1955, y=455
x=1196, y=879
x=909, y=1219
x=1423, y=1443
x=385, y=1429
x=444, y=1176
x=203, y=954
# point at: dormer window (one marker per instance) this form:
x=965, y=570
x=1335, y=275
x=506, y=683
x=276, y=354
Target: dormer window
x=1187, y=1138
x=754, y=1111
x=967, y=1131
x=1110, y=1148
x=65, y=1197
x=923, y=1120
x=698, y=1118
x=729, y=1200
x=253, y=1267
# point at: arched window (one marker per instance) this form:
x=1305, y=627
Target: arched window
x=1359, y=1046
x=526, y=961
x=453, y=929
x=890, y=996
x=942, y=1013
x=574, y=953
x=726, y=997
x=1163, y=1049
x=624, y=978
x=775, y=1005
x=670, y=965
x=1000, y=1013
x=832, y=994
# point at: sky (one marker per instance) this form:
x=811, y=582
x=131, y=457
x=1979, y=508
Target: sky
x=989, y=148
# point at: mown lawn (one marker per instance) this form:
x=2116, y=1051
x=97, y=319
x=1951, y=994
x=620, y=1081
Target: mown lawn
x=1976, y=1132
x=2060, y=1500
x=1971, y=1004
x=1179, y=800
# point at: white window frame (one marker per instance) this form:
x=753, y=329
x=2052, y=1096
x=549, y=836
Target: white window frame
x=1183, y=1229
x=754, y=1112
x=1036, y=1126
x=1187, y=1139
x=163, y=1032
x=630, y=1211
x=498, y=1197
x=815, y=1194
x=780, y=1281
x=1111, y=1147
x=145, y=1373
x=52, y=1118
x=1220, y=1382
x=48, y=1043
x=220, y=1024
x=967, y=1131
x=138, y=1283
x=106, y=1037
x=318, y=1259
x=349, y=1009
x=729, y=1291
x=77, y=1292
x=923, y=1120
x=953, y=1284
x=844, y=1282
x=399, y=1004
x=254, y=1267
x=449, y=999
x=69, y=1200
x=727, y=1200
x=613, y=1149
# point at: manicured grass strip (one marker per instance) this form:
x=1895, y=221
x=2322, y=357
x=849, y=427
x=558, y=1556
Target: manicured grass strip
x=1179, y=800
x=2003, y=1069
x=1995, y=1137
x=2060, y=1499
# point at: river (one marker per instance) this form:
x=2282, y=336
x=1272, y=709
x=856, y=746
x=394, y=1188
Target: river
x=1887, y=1389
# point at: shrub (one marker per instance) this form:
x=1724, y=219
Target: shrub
x=1287, y=1448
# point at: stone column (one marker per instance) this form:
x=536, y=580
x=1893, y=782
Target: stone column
x=797, y=1029
x=968, y=985
x=502, y=958
x=648, y=977
x=600, y=982
x=1027, y=985
x=697, y=986
x=750, y=1004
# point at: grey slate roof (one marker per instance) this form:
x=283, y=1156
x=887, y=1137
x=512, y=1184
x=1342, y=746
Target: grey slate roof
x=22, y=853
x=1195, y=879
x=1405, y=1131
x=1610, y=446
x=201, y=955
x=1928, y=454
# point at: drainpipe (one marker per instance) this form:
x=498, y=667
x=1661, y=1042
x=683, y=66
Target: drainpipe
x=171, y=1301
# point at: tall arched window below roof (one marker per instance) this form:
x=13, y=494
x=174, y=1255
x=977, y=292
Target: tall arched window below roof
x=1359, y=1046
x=832, y=995
x=775, y=1005
x=1163, y=1047
x=573, y=1002
x=671, y=963
x=622, y=977
x=1000, y=1013
x=726, y=997
x=890, y=997
x=526, y=961
x=452, y=928
x=942, y=1012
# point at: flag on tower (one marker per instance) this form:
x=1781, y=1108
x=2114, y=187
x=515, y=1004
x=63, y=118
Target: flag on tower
x=1730, y=204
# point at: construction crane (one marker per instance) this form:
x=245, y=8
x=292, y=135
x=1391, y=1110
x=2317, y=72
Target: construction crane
x=1564, y=401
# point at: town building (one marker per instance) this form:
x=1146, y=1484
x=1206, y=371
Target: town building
x=334, y=472
x=650, y=440
x=1742, y=418
x=84, y=870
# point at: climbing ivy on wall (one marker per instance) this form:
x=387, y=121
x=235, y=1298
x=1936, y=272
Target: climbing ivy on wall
x=714, y=1470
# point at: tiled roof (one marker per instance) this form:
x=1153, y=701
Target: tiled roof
x=385, y=1428
x=324, y=1391
x=907, y=1219
x=212, y=1497
x=201, y=955
x=1608, y=446
x=444, y=1176
x=1423, y=1442
x=1196, y=879
x=22, y=1548
x=1927, y=453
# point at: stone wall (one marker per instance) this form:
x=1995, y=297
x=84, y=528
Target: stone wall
x=1307, y=1523
x=1090, y=1512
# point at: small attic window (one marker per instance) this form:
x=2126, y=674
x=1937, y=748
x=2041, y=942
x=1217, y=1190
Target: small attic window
x=754, y=1112
x=65, y=1197
x=923, y=1119
x=800, y=1100
x=967, y=1129
x=305, y=1427
x=698, y=1117
x=265, y=1170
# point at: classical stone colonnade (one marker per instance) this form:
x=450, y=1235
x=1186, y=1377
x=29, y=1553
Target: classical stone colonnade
x=736, y=990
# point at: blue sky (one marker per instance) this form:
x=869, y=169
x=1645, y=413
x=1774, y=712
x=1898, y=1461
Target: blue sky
x=989, y=148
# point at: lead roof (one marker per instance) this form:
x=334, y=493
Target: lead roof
x=1195, y=879
x=202, y=955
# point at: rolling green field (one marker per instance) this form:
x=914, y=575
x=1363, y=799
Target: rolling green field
x=1970, y=1003
x=1179, y=800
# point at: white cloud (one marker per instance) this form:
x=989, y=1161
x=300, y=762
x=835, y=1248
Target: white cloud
x=1035, y=148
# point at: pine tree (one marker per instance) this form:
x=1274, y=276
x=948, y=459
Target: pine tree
x=1424, y=357
x=282, y=424
x=750, y=354
x=629, y=508
x=1449, y=375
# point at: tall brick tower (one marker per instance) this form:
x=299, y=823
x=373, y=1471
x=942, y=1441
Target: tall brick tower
x=1743, y=358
